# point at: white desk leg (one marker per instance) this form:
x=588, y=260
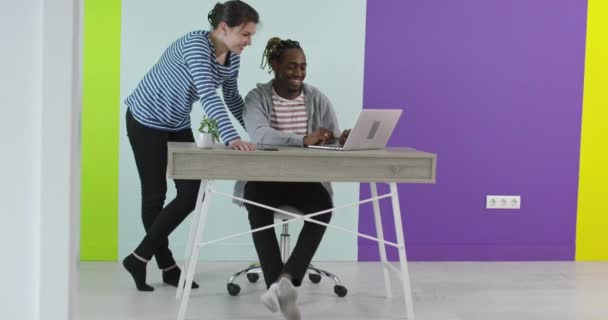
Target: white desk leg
x=194, y=226
x=195, y=251
x=405, y=277
x=380, y=235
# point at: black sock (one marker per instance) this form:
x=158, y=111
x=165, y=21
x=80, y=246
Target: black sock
x=171, y=277
x=137, y=269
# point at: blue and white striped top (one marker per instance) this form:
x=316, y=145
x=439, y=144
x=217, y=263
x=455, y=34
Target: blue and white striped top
x=186, y=72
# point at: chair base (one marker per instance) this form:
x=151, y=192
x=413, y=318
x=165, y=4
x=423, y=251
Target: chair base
x=314, y=275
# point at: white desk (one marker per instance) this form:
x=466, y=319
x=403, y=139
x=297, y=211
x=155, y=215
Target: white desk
x=391, y=165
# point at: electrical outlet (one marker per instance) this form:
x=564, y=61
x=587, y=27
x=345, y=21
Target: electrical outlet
x=503, y=202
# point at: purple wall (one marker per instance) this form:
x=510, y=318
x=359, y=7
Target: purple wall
x=495, y=89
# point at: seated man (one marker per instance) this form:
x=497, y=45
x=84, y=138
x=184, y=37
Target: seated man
x=288, y=112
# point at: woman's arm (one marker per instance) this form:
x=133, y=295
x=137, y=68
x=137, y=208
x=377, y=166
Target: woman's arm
x=233, y=98
x=198, y=57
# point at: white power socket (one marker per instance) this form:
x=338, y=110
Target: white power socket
x=503, y=202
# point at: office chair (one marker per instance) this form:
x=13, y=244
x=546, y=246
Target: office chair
x=254, y=270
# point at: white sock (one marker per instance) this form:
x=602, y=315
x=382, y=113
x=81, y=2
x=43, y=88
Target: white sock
x=270, y=298
x=288, y=295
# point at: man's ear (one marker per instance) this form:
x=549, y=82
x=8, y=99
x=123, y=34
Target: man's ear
x=274, y=65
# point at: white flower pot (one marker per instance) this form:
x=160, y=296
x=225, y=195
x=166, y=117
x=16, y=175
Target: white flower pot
x=205, y=140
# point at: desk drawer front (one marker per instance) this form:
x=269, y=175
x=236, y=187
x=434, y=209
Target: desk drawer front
x=296, y=168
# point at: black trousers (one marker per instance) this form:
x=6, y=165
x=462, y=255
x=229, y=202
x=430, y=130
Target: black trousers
x=150, y=150
x=306, y=197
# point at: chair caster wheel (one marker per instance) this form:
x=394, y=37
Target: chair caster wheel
x=340, y=290
x=315, y=278
x=233, y=289
x=253, y=277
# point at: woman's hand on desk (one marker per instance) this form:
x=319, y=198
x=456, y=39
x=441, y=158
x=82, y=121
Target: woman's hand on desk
x=239, y=144
x=319, y=136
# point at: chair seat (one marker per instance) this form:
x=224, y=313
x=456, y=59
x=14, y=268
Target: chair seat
x=281, y=216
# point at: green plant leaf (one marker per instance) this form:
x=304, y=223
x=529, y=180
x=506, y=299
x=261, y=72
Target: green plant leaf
x=209, y=125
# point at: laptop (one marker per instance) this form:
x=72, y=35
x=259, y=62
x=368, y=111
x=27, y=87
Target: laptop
x=371, y=131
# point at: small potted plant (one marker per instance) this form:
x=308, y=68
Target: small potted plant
x=208, y=133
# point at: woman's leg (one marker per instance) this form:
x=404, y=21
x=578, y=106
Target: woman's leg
x=172, y=273
x=170, y=217
x=150, y=151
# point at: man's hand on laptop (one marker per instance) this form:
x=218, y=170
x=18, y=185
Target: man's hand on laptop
x=343, y=137
x=319, y=136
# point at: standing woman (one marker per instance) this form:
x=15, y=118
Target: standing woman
x=191, y=69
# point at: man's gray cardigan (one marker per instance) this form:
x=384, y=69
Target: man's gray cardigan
x=257, y=111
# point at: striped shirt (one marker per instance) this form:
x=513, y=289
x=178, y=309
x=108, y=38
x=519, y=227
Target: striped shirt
x=289, y=115
x=187, y=72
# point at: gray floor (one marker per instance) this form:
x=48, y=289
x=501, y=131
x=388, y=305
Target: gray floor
x=442, y=291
